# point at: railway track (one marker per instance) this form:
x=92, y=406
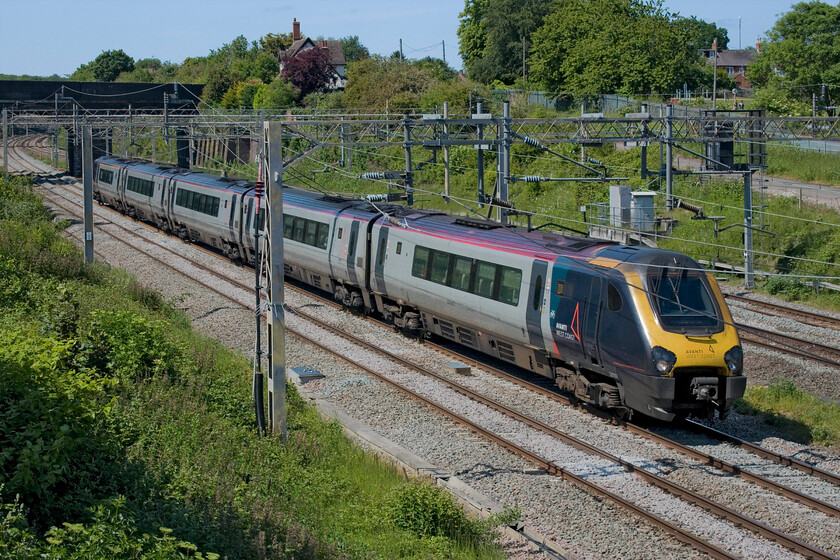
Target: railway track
x=552, y=466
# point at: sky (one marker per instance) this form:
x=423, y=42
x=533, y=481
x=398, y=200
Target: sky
x=46, y=37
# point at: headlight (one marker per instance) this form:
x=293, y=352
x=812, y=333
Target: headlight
x=663, y=359
x=734, y=360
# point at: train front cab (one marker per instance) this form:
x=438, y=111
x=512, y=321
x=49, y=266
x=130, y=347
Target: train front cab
x=693, y=360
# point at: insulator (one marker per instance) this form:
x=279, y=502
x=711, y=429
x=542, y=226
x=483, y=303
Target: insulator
x=396, y=221
x=593, y=160
x=259, y=188
x=377, y=198
x=372, y=175
x=531, y=178
x=690, y=207
x=502, y=203
x=532, y=142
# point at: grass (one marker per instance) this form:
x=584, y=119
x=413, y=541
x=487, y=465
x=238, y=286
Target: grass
x=804, y=165
x=804, y=417
x=168, y=432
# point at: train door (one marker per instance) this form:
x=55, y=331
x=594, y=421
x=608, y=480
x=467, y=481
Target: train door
x=590, y=320
x=379, y=247
x=533, y=313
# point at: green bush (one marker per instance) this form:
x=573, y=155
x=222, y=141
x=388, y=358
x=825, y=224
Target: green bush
x=426, y=511
x=124, y=343
x=55, y=452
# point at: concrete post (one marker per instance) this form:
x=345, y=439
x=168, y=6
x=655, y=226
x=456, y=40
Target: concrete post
x=445, y=149
x=749, y=276
x=669, y=159
x=480, y=159
x=277, y=317
x=505, y=175
x=87, y=187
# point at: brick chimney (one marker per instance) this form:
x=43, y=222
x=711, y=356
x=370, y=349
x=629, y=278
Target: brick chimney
x=758, y=45
x=295, y=29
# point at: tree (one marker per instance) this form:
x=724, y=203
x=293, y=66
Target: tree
x=274, y=43
x=278, y=94
x=495, y=37
x=110, y=64
x=374, y=81
x=265, y=67
x=625, y=46
x=353, y=50
x=703, y=34
x=309, y=70
x=801, y=54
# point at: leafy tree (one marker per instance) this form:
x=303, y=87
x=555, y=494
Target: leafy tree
x=802, y=53
x=150, y=70
x=277, y=95
x=496, y=36
x=309, y=71
x=265, y=67
x=626, y=46
x=83, y=73
x=437, y=67
x=703, y=34
x=241, y=95
x=110, y=64
x=372, y=82
x=217, y=82
x=274, y=43
x=353, y=50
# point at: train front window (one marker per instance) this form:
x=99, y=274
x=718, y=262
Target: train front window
x=682, y=300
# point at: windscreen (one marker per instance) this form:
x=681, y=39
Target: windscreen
x=682, y=300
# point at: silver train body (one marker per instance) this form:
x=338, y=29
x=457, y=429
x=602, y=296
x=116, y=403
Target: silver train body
x=626, y=328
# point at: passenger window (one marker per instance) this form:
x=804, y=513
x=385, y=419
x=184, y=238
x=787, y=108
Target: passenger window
x=485, y=279
x=461, y=273
x=561, y=287
x=311, y=231
x=351, y=250
x=510, y=286
x=421, y=262
x=381, y=255
x=323, y=234
x=298, y=232
x=288, y=226
x=340, y=231
x=440, y=267
x=538, y=288
x=613, y=298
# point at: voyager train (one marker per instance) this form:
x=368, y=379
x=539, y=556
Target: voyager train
x=622, y=327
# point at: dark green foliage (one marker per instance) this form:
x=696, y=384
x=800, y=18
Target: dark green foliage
x=353, y=49
x=110, y=64
x=279, y=94
x=56, y=452
x=624, y=46
x=802, y=53
x=495, y=35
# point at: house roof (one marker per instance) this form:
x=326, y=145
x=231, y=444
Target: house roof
x=735, y=57
x=335, y=55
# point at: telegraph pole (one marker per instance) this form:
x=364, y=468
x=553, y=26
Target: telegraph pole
x=409, y=178
x=5, y=144
x=480, y=156
x=749, y=277
x=277, y=317
x=505, y=163
x=87, y=179
x=446, y=148
x=669, y=158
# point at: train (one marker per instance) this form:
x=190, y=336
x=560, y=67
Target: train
x=631, y=329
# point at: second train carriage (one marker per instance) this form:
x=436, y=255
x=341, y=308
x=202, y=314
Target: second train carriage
x=622, y=327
